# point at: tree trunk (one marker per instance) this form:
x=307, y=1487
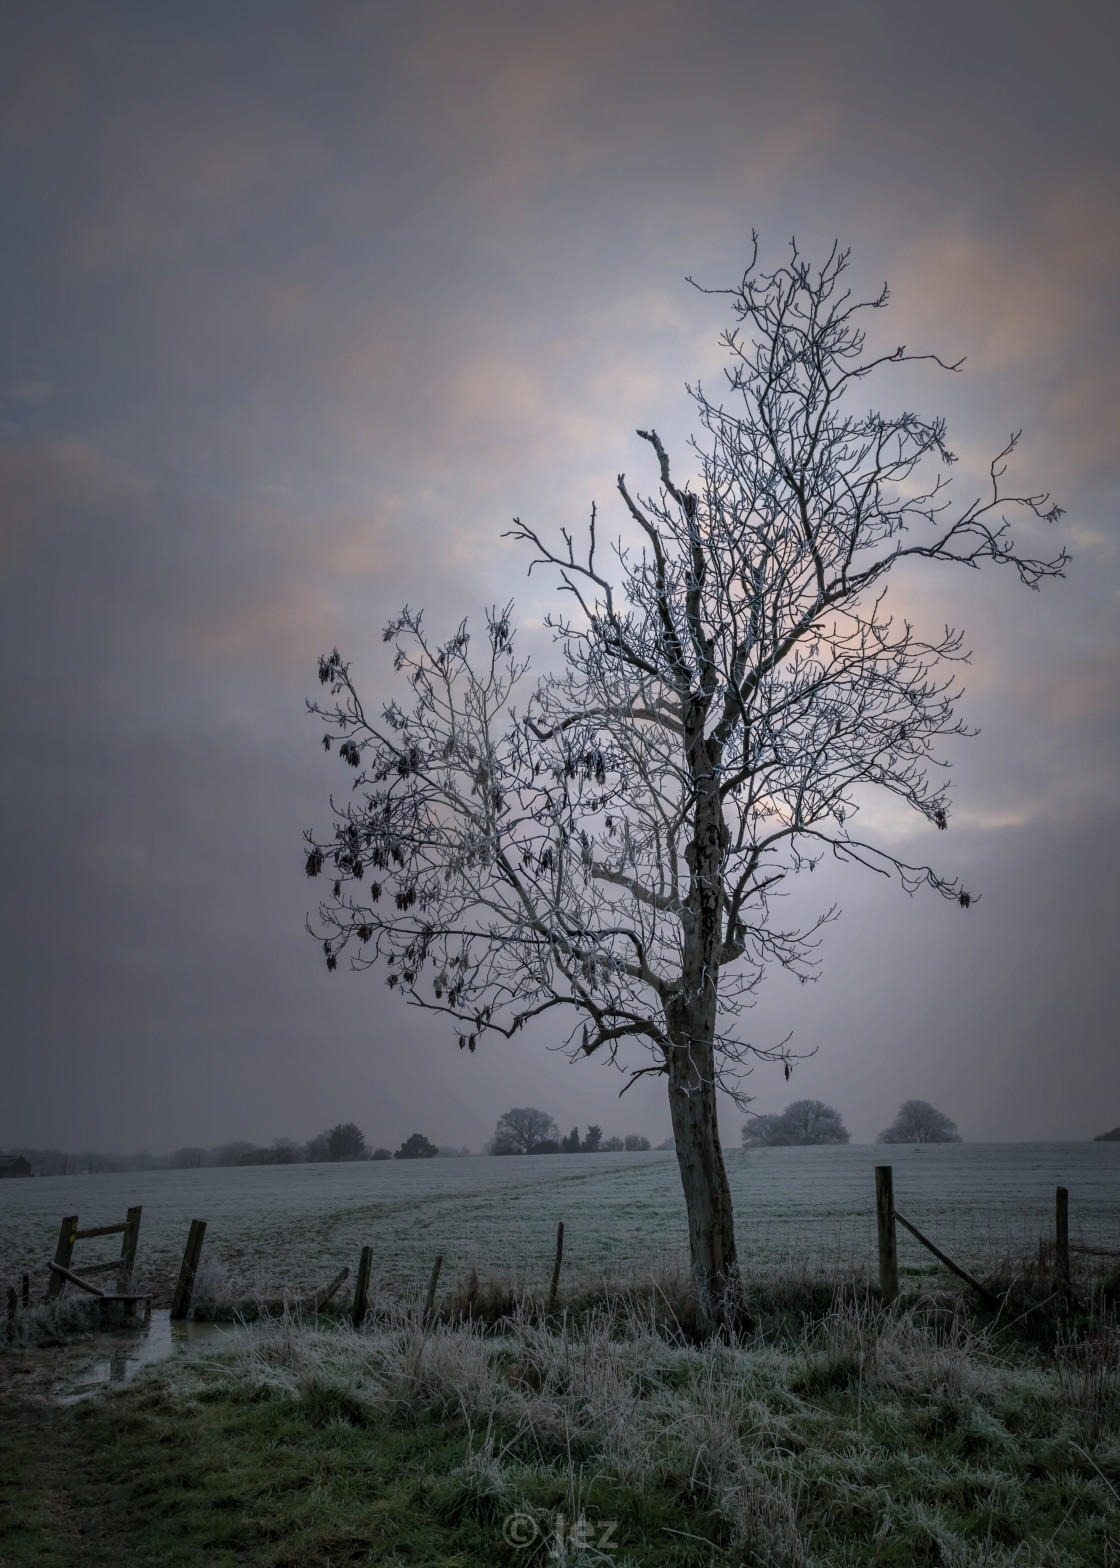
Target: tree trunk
x=691, y=1018
x=711, y=1226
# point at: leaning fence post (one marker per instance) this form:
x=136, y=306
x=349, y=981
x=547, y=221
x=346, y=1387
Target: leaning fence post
x=128, y=1248
x=552, y=1289
x=1061, y=1238
x=361, y=1287
x=888, y=1243
x=184, y=1290
x=63, y=1253
x=432, y=1283
x=329, y=1291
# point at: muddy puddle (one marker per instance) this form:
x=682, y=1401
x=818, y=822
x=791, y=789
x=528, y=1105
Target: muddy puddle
x=117, y=1355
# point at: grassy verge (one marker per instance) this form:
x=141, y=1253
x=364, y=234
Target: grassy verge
x=858, y=1437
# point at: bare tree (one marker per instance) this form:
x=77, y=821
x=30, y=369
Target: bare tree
x=918, y=1122
x=803, y=1122
x=524, y=1130
x=605, y=843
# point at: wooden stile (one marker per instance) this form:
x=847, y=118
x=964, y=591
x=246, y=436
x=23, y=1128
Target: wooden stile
x=184, y=1289
x=888, y=1239
x=361, y=1288
x=129, y=1232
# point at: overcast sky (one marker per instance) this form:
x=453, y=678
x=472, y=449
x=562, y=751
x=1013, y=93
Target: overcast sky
x=301, y=303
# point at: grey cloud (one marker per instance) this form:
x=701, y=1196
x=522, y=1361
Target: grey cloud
x=324, y=298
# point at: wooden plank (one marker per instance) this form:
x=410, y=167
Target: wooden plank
x=184, y=1288
x=76, y=1279
x=361, y=1288
x=99, y=1230
x=1095, y=1252
x=555, y=1285
x=129, y=1243
x=961, y=1273
x=888, y=1239
x=99, y=1268
x=63, y=1253
x=324, y=1295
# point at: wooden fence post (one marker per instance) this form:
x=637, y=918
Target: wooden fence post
x=67, y=1235
x=361, y=1288
x=888, y=1242
x=552, y=1289
x=1061, y=1238
x=429, y=1304
x=129, y=1243
x=184, y=1290
x=25, y=1290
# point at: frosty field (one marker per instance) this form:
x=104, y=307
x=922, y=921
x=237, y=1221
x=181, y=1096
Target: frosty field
x=286, y=1227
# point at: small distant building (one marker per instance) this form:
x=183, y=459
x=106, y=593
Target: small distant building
x=14, y=1165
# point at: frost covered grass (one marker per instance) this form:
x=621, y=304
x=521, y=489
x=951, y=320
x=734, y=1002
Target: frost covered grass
x=850, y=1435
x=51, y=1323
x=866, y=1435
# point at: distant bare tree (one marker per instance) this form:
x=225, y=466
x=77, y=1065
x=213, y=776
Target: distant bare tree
x=918, y=1122
x=523, y=1130
x=634, y=1141
x=317, y=1150
x=803, y=1122
x=230, y=1153
x=605, y=844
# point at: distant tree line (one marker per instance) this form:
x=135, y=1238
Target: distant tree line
x=343, y=1142
x=525, y=1130
x=812, y=1121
